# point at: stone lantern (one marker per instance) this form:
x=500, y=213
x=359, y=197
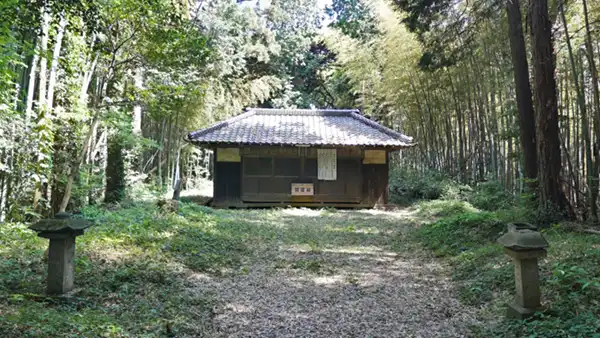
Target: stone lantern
x=61, y=231
x=524, y=244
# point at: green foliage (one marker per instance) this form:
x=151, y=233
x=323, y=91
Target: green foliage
x=571, y=288
x=380, y=69
x=353, y=18
x=570, y=275
x=130, y=274
x=407, y=186
x=491, y=196
x=443, y=208
x=462, y=232
x=483, y=272
x=179, y=67
x=516, y=214
x=584, y=325
x=191, y=239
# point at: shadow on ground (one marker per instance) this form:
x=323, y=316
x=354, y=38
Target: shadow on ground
x=318, y=273
x=201, y=272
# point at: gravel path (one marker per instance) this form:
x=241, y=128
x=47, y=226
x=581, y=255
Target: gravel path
x=339, y=291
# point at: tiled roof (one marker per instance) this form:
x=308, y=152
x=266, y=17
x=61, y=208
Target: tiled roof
x=300, y=127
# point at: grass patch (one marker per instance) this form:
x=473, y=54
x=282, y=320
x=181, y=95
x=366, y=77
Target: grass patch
x=408, y=186
x=570, y=275
x=132, y=266
x=443, y=208
x=460, y=232
x=130, y=275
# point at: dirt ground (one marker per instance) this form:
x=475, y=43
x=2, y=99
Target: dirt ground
x=328, y=273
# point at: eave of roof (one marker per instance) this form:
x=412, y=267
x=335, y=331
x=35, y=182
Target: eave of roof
x=395, y=139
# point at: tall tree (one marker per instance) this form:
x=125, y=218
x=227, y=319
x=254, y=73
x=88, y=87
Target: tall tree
x=522, y=88
x=353, y=18
x=595, y=180
x=546, y=110
x=578, y=83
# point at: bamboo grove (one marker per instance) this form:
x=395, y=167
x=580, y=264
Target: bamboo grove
x=465, y=114
x=96, y=96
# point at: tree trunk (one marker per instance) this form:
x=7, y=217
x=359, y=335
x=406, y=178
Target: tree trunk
x=61, y=139
x=42, y=186
x=594, y=183
x=580, y=91
x=54, y=65
x=115, y=170
x=87, y=78
x=75, y=166
x=546, y=112
x=523, y=89
x=461, y=133
x=44, y=59
x=177, y=177
x=31, y=87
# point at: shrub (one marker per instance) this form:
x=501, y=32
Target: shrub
x=570, y=276
x=407, y=186
x=131, y=267
x=452, y=235
x=443, y=208
x=483, y=271
x=516, y=214
x=491, y=196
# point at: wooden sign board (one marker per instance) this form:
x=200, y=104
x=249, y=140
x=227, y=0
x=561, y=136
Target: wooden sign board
x=374, y=157
x=228, y=155
x=303, y=189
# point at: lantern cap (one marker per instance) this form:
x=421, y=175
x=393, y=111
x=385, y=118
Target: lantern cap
x=522, y=237
x=62, y=222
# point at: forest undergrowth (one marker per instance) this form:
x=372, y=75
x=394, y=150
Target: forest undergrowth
x=133, y=266
x=465, y=223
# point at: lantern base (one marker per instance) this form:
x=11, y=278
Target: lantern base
x=516, y=311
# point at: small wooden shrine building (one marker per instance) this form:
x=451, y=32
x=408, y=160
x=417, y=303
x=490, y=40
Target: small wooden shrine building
x=274, y=157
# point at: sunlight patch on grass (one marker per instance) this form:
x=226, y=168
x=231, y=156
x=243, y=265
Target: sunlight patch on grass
x=358, y=229
x=239, y=308
x=404, y=214
x=328, y=280
x=297, y=248
x=443, y=208
x=141, y=267
x=361, y=250
x=302, y=212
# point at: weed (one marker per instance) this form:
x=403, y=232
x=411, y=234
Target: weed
x=311, y=265
x=443, y=208
x=129, y=274
x=491, y=196
x=462, y=232
x=570, y=276
x=407, y=186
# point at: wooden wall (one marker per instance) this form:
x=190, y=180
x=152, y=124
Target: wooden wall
x=265, y=175
x=227, y=182
x=376, y=186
